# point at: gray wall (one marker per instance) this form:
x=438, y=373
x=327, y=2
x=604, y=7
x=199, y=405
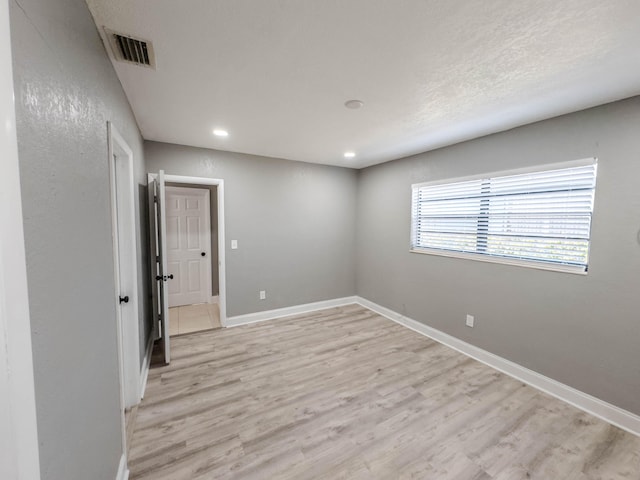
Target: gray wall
x=581, y=330
x=294, y=222
x=213, y=210
x=66, y=90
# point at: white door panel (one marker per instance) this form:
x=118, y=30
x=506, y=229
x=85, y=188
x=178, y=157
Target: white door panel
x=193, y=204
x=188, y=237
x=173, y=204
x=174, y=284
x=173, y=227
x=195, y=272
x=153, y=251
x=193, y=234
x=160, y=275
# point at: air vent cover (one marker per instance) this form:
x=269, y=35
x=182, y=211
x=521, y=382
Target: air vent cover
x=128, y=49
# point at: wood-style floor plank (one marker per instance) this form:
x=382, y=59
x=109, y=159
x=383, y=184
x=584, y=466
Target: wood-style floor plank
x=347, y=394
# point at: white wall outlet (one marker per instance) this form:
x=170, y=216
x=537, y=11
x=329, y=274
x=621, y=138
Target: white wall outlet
x=263, y=294
x=234, y=244
x=470, y=320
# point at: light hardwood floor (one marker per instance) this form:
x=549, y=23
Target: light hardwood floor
x=347, y=394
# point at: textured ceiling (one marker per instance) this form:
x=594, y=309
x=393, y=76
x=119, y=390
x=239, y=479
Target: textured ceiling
x=276, y=73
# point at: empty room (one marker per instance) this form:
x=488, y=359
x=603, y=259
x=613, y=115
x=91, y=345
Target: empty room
x=296, y=239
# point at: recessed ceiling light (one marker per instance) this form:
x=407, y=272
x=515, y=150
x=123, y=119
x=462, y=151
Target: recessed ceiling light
x=220, y=133
x=349, y=154
x=354, y=104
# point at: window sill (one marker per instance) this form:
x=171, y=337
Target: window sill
x=504, y=261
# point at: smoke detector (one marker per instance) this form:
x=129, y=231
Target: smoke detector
x=354, y=104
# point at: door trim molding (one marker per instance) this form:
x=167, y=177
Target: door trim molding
x=219, y=183
x=146, y=366
x=19, y=451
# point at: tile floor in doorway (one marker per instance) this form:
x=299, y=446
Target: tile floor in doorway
x=193, y=318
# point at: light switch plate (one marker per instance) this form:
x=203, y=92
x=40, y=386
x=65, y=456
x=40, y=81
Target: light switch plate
x=234, y=244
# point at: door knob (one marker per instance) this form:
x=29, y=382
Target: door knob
x=171, y=277
x=124, y=299
x=203, y=254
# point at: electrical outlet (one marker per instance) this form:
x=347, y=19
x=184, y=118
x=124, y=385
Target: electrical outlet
x=470, y=320
x=263, y=294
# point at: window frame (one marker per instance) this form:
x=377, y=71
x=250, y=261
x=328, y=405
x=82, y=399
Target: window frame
x=482, y=257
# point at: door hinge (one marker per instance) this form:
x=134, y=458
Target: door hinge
x=155, y=199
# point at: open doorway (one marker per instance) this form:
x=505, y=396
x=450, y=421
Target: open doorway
x=192, y=257
x=161, y=275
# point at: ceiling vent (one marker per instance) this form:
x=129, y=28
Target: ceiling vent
x=128, y=49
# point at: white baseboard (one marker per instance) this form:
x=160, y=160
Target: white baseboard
x=146, y=364
x=123, y=471
x=287, y=311
x=590, y=404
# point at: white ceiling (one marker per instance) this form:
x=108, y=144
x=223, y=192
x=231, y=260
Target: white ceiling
x=276, y=73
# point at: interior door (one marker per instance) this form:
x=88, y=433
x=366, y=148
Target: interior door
x=126, y=278
x=159, y=274
x=188, y=245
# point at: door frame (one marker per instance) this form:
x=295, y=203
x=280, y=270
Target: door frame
x=19, y=451
x=219, y=183
x=123, y=225
x=207, y=228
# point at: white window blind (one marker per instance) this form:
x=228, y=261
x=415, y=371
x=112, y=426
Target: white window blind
x=541, y=217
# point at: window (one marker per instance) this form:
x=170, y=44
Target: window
x=538, y=218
